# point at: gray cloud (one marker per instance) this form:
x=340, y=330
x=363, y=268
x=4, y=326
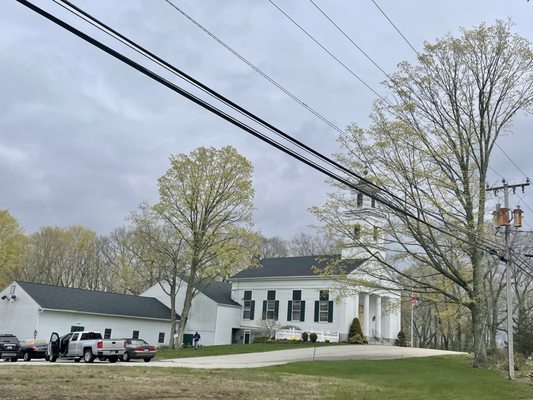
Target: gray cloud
x=84, y=138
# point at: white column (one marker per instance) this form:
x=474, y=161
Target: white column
x=378, y=317
x=366, y=322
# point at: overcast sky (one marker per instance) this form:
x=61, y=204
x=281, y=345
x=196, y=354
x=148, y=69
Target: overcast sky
x=83, y=137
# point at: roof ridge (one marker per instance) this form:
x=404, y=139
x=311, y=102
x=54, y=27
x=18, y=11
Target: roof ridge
x=81, y=289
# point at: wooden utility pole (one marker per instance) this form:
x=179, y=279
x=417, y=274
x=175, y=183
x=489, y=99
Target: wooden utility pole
x=502, y=218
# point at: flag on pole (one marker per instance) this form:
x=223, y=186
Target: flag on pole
x=414, y=300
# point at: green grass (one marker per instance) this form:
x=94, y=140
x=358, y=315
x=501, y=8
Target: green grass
x=449, y=377
x=222, y=350
x=444, y=377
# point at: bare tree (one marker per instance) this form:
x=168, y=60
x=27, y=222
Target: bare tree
x=431, y=146
x=273, y=247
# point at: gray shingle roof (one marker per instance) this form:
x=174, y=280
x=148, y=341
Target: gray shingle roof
x=294, y=266
x=92, y=301
x=219, y=292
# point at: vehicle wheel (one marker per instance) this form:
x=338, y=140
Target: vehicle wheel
x=77, y=359
x=112, y=359
x=47, y=358
x=101, y=358
x=147, y=359
x=126, y=357
x=14, y=359
x=52, y=359
x=26, y=357
x=88, y=356
x=6, y=359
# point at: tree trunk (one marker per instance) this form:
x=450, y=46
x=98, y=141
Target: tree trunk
x=187, y=303
x=479, y=334
x=172, y=342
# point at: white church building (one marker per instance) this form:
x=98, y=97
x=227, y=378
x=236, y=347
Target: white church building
x=288, y=294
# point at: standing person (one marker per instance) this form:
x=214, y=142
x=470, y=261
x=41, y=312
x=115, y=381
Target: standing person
x=196, y=338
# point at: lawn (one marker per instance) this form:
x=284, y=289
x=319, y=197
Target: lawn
x=221, y=350
x=449, y=377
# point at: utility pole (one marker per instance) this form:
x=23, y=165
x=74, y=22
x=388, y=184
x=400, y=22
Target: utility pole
x=501, y=218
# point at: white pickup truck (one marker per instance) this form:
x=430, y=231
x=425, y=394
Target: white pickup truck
x=86, y=345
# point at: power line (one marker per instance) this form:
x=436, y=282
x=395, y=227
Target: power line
x=510, y=159
x=238, y=123
x=279, y=86
x=395, y=27
x=349, y=38
x=134, y=46
x=328, y=52
x=95, y=22
x=255, y=68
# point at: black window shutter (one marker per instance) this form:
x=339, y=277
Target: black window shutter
x=276, y=310
x=289, y=311
x=302, y=311
x=252, y=309
x=317, y=306
x=264, y=309
x=330, y=311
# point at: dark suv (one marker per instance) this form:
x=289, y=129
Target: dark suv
x=9, y=347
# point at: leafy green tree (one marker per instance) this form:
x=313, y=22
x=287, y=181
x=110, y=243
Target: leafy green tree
x=206, y=198
x=12, y=247
x=67, y=257
x=431, y=144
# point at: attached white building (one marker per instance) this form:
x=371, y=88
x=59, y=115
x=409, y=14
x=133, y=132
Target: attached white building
x=33, y=310
x=214, y=314
x=290, y=292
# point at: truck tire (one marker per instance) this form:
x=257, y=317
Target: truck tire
x=126, y=357
x=77, y=359
x=26, y=356
x=14, y=359
x=88, y=356
x=52, y=359
x=112, y=359
x=147, y=359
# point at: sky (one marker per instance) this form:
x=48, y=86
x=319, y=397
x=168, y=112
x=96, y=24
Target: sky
x=83, y=137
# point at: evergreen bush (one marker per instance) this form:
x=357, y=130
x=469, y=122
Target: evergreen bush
x=313, y=337
x=355, y=329
x=401, y=340
x=305, y=336
x=356, y=339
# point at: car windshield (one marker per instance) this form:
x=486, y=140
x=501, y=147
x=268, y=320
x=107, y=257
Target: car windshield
x=8, y=339
x=33, y=342
x=138, y=342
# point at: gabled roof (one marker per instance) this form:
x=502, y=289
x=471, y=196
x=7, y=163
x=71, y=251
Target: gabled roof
x=219, y=292
x=92, y=301
x=295, y=266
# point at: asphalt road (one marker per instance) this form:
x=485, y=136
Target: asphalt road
x=255, y=360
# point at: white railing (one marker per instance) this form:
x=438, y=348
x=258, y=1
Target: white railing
x=296, y=334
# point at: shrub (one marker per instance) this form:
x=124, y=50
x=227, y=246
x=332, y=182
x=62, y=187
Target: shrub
x=313, y=337
x=355, y=329
x=262, y=339
x=326, y=341
x=401, y=340
x=356, y=339
x=305, y=336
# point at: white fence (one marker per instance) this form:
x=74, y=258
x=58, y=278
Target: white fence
x=296, y=334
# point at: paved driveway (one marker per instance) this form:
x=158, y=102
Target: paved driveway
x=254, y=360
